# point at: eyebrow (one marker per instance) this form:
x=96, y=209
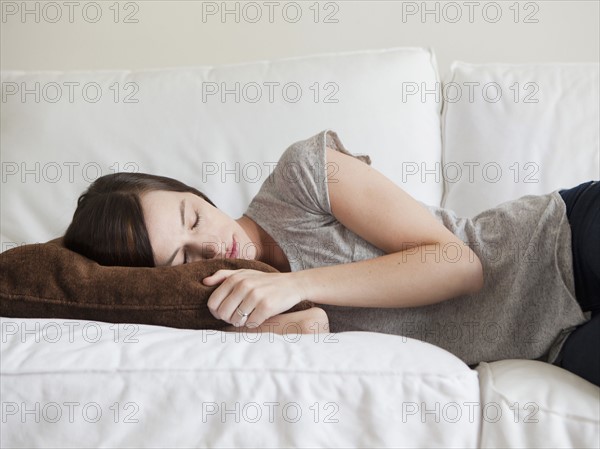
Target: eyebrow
x=182, y=214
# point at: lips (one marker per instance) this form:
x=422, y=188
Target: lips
x=232, y=253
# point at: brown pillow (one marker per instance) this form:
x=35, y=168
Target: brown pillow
x=47, y=280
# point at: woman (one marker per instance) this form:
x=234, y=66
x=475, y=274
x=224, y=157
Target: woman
x=516, y=281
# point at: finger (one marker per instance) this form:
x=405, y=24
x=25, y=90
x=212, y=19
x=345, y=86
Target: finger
x=234, y=305
x=226, y=300
x=228, y=296
x=216, y=299
x=241, y=321
x=217, y=277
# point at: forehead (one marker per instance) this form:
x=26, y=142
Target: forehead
x=163, y=209
x=162, y=217
x=156, y=199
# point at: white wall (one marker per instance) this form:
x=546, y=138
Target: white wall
x=173, y=33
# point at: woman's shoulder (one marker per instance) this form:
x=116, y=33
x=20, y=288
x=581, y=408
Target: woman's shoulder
x=311, y=152
x=295, y=180
x=304, y=150
x=300, y=176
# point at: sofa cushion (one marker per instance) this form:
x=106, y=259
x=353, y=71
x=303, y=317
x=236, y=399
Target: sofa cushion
x=527, y=403
x=198, y=388
x=516, y=129
x=220, y=129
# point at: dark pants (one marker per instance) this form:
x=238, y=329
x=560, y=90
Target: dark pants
x=581, y=351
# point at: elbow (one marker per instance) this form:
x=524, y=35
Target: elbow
x=315, y=321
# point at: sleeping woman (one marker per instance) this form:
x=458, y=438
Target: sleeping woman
x=520, y=280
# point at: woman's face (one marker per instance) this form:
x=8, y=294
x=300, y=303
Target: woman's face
x=184, y=228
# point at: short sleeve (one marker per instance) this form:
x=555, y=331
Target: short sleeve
x=298, y=184
x=302, y=171
x=293, y=207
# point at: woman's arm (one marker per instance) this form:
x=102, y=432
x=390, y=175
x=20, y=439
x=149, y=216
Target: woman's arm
x=425, y=263
x=309, y=321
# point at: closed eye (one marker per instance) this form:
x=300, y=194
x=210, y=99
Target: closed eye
x=197, y=220
x=194, y=226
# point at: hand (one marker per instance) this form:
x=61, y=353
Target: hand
x=262, y=295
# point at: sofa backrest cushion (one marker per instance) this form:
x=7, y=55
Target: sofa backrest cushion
x=220, y=129
x=515, y=129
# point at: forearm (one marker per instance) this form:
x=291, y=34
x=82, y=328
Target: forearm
x=309, y=321
x=415, y=277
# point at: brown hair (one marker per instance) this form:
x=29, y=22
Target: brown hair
x=108, y=225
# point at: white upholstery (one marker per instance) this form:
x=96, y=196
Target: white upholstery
x=353, y=389
x=526, y=129
x=384, y=390
x=224, y=146
x=534, y=404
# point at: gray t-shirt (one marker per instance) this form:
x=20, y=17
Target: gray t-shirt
x=526, y=308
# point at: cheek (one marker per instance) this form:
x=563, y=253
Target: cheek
x=222, y=224
x=210, y=246
x=158, y=245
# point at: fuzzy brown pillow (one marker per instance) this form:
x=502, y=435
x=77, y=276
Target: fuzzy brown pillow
x=47, y=280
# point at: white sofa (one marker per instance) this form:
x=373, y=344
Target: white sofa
x=488, y=133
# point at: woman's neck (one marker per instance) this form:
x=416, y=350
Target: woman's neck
x=268, y=251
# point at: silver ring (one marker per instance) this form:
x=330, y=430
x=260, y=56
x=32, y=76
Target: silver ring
x=240, y=313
